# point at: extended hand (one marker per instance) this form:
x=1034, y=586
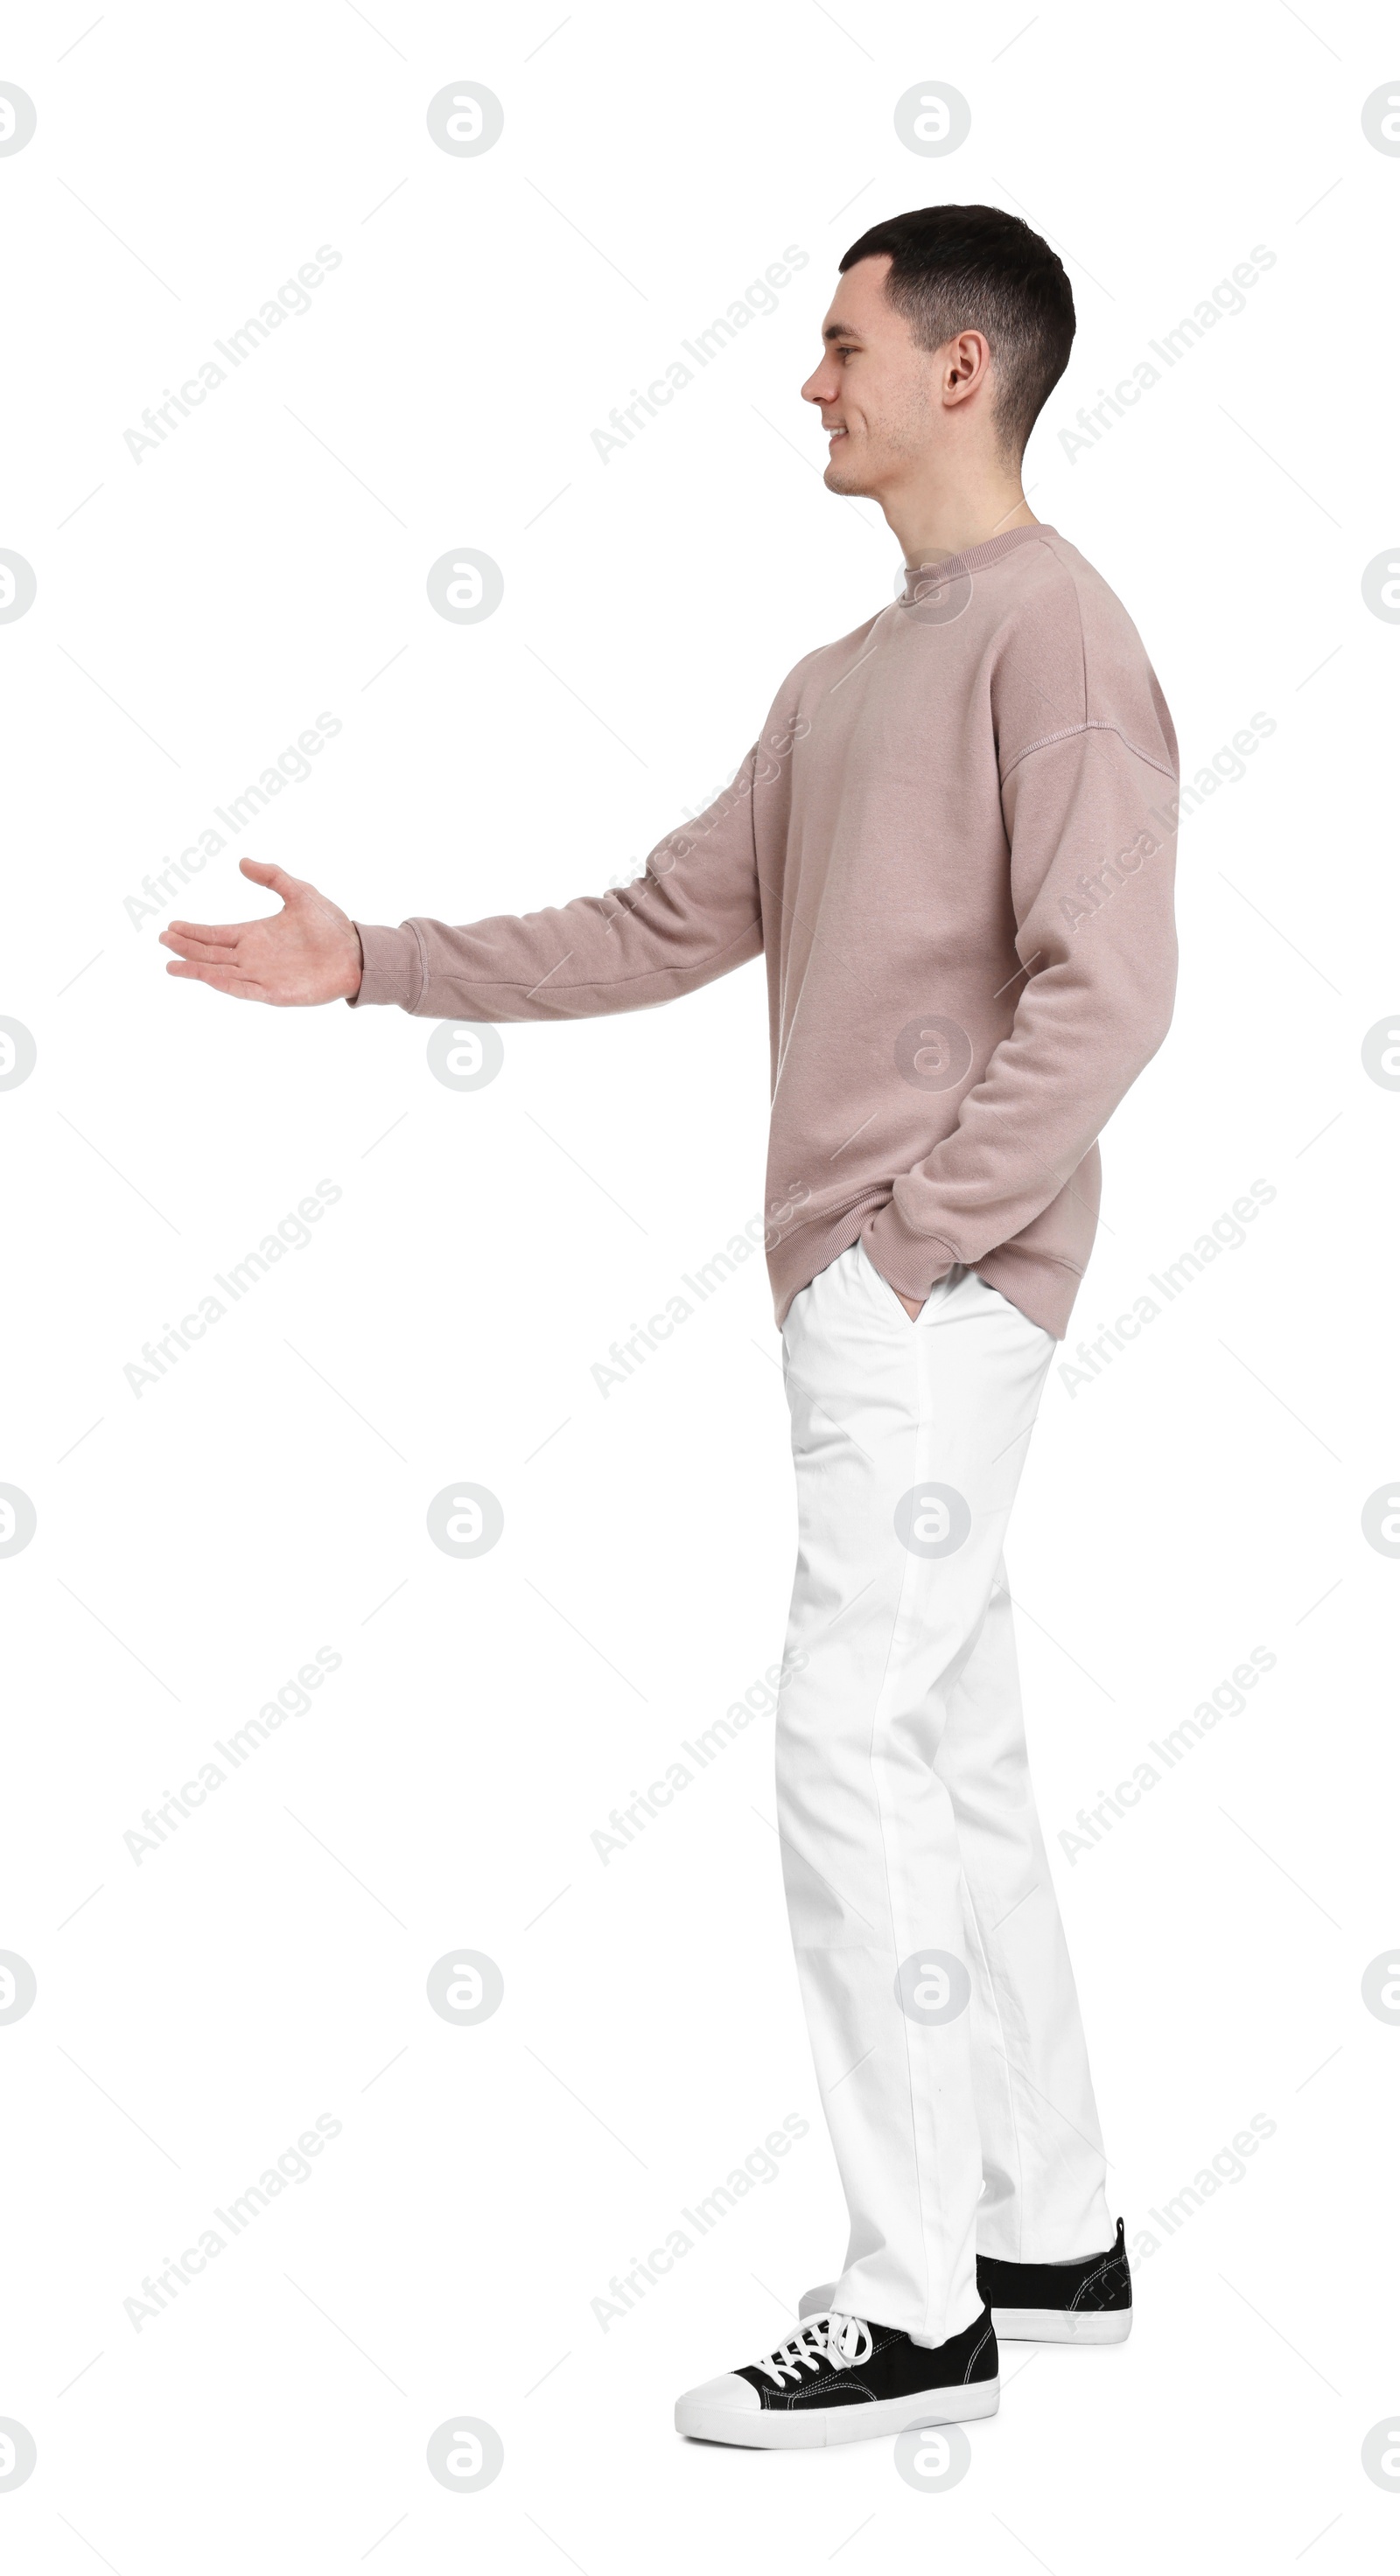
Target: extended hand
x=307, y=952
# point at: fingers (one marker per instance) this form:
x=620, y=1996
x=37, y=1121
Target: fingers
x=223, y=979
x=194, y=938
x=201, y=938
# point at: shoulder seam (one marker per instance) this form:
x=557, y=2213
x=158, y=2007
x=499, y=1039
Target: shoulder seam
x=1092, y=724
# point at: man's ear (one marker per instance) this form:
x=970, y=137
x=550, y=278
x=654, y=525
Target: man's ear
x=966, y=365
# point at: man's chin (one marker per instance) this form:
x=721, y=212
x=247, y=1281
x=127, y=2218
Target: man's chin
x=845, y=478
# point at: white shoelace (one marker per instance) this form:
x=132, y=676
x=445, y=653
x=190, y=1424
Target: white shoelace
x=840, y=2340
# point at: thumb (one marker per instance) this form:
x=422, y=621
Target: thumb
x=276, y=879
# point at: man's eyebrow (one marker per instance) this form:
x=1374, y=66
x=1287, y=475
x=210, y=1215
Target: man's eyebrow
x=840, y=331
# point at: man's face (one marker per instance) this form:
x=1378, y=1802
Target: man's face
x=877, y=393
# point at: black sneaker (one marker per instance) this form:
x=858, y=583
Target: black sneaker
x=841, y=2380
x=1087, y=2300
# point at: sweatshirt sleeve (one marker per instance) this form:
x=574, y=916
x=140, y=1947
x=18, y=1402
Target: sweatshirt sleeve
x=692, y=915
x=1091, y=890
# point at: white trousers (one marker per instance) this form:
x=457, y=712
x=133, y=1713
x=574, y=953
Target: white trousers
x=936, y=1982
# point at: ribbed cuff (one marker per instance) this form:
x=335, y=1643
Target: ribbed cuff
x=911, y=1263
x=393, y=967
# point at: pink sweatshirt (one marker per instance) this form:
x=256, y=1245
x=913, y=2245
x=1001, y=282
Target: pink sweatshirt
x=952, y=844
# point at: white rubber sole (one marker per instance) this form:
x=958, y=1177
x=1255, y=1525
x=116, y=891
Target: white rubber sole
x=1061, y=2325
x=827, y=2425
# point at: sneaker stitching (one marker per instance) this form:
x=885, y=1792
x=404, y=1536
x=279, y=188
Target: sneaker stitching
x=796, y=2396
x=1109, y=2263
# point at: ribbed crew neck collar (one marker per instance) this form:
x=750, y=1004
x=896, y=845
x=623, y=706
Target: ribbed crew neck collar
x=976, y=558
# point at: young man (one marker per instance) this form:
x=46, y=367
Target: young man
x=951, y=843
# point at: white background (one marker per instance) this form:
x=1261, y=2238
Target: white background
x=198, y=1542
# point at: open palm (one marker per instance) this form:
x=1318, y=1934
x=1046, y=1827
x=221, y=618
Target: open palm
x=307, y=952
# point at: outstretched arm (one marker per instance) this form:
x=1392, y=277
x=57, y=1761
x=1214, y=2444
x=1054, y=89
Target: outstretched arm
x=692, y=915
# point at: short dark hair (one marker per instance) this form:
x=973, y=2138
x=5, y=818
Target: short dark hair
x=973, y=268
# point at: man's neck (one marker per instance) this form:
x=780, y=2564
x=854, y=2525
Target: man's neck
x=929, y=531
